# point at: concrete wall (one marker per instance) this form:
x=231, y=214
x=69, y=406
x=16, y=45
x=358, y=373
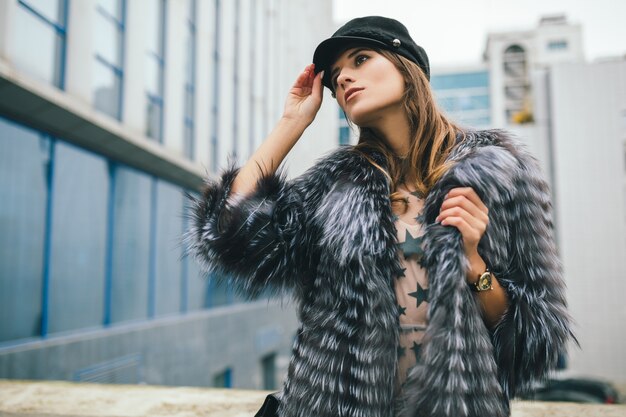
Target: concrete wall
x=181, y=350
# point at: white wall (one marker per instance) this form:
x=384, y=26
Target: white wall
x=589, y=118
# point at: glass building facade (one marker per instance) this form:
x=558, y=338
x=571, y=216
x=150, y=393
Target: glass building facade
x=111, y=113
x=87, y=241
x=464, y=96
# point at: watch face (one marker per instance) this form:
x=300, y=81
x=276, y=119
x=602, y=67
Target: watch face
x=485, y=282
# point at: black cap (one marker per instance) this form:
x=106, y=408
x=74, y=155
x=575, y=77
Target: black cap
x=379, y=31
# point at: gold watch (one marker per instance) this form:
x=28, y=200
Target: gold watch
x=484, y=283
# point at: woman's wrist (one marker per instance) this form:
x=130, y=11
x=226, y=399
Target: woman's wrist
x=476, y=267
x=295, y=122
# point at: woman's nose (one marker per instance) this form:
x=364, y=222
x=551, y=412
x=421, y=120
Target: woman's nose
x=344, y=78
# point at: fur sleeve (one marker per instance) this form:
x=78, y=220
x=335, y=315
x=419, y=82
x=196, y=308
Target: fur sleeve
x=255, y=241
x=520, y=249
x=263, y=241
x=536, y=327
x=518, y=246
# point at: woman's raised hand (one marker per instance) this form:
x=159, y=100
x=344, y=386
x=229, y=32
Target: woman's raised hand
x=305, y=96
x=463, y=209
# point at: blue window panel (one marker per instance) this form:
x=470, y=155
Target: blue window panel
x=460, y=80
x=39, y=40
x=79, y=230
x=218, y=293
x=197, y=286
x=107, y=89
x=50, y=10
x=24, y=155
x=223, y=379
x=197, y=281
x=108, y=64
x=107, y=37
x=344, y=135
x=169, y=229
x=154, y=19
x=131, y=245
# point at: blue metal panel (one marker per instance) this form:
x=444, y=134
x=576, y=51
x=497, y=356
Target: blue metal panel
x=184, y=273
x=152, y=266
x=162, y=78
x=252, y=114
x=45, y=296
x=216, y=83
x=122, y=62
x=108, y=262
x=236, y=49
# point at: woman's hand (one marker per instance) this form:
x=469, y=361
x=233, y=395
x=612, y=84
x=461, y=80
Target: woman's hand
x=305, y=97
x=463, y=209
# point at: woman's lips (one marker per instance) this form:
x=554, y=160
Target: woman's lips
x=351, y=92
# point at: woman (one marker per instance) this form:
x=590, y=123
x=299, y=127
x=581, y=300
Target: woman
x=422, y=258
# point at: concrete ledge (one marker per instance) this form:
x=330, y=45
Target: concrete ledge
x=46, y=108
x=56, y=398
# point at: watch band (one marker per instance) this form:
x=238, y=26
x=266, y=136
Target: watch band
x=484, y=282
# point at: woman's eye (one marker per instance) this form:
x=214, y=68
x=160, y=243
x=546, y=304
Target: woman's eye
x=359, y=59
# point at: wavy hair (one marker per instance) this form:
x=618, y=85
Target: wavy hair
x=432, y=138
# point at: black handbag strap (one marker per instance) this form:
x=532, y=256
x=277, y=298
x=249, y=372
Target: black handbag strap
x=269, y=407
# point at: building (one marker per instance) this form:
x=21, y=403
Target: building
x=581, y=119
x=571, y=114
x=110, y=111
x=463, y=94
x=511, y=56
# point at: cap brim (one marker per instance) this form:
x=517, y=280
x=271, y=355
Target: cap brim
x=327, y=51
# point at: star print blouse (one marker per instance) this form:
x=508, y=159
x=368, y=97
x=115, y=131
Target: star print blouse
x=411, y=287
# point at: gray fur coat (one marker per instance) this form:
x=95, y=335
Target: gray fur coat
x=328, y=238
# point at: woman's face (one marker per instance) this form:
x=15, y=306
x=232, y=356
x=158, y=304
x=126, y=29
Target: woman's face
x=367, y=85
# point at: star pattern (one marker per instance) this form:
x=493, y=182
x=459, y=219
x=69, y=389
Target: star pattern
x=420, y=294
x=401, y=273
x=401, y=310
x=417, y=350
x=401, y=351
x=411, y=246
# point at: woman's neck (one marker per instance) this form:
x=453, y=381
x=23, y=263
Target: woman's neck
x=394, y=128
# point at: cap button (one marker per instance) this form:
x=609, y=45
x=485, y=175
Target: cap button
x=396, y=42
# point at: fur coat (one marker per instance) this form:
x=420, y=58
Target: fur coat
x=328, y=238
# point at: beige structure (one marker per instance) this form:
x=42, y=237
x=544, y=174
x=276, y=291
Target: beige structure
x=61, y=399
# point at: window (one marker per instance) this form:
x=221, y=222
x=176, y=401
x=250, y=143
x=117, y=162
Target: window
x=190, y=81
x=108, y=63
x=40, y=38
x=169, y=228
x=80, y=192
x=460, y=80
x=268, y=363
x=131, y=244
x=216, y=92
x=154, y=18
x=557, y=45
x=24, y=164
x=344, y=128
x=223, y=379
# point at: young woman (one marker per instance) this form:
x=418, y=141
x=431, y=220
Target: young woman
x=422, y=258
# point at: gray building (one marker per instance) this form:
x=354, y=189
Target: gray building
x=110, y=111
x=572, y=116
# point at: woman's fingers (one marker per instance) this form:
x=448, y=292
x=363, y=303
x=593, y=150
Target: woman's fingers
x=306, y=79
x=470, y=194
x=463, y=209
x=453, y=205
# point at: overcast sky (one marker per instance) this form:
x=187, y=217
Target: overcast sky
x=455, y=31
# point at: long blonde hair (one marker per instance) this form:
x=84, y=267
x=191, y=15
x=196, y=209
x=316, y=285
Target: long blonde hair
x=433, y=135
